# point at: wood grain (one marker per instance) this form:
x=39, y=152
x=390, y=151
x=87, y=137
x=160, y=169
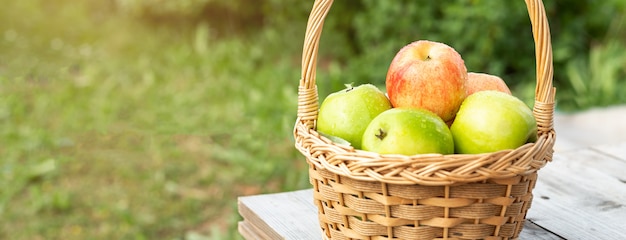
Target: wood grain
x=249, y=231
x=581, y=195
x=533, y=231
x=616, y=150
x=288, y=215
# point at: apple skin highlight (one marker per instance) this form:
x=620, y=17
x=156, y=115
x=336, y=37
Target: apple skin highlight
x=427, y=75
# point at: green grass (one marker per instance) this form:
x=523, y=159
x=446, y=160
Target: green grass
x=114, y=128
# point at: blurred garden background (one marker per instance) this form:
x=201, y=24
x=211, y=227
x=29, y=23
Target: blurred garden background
x=146, y=119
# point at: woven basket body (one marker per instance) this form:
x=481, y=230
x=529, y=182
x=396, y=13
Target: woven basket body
x=365, y=195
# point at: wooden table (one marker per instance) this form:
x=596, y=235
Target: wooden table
x=581, y=194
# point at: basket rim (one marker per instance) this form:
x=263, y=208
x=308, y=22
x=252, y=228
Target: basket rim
x=426, y=169
x=423, y=169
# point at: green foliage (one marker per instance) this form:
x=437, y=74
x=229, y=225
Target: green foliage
x=163, y=7
x=226, y=17
x=381, y=28
x=361, y=37
x=492, y=36
x=130, y=131
x=596, y=81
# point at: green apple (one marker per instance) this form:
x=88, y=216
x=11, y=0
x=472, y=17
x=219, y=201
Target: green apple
x=490, y=121
x=408, y=131
x=345, y=114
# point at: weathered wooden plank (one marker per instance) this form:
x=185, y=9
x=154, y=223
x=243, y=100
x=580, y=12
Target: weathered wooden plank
x=265, y=223
x=579, y=196
x=604, y=159
x=616, y=150
x=533, y=231
x=249, y=231
x=592, y=127
x=288, y=215
x=566, y=144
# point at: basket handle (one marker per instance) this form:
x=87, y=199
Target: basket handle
x=544, y=91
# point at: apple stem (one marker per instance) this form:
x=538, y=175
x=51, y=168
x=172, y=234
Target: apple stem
x=381, y=135
x=349, y=87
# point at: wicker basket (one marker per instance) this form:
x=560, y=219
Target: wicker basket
x=365, y=195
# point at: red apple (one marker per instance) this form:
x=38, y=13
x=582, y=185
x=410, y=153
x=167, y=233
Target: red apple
x=477, y=82
x=428, y=75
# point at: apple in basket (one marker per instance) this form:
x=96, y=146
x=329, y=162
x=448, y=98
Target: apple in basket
x=477, y=82
x=490, y=121
x=408, y=131
x=345, y=114
x=428, y=75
